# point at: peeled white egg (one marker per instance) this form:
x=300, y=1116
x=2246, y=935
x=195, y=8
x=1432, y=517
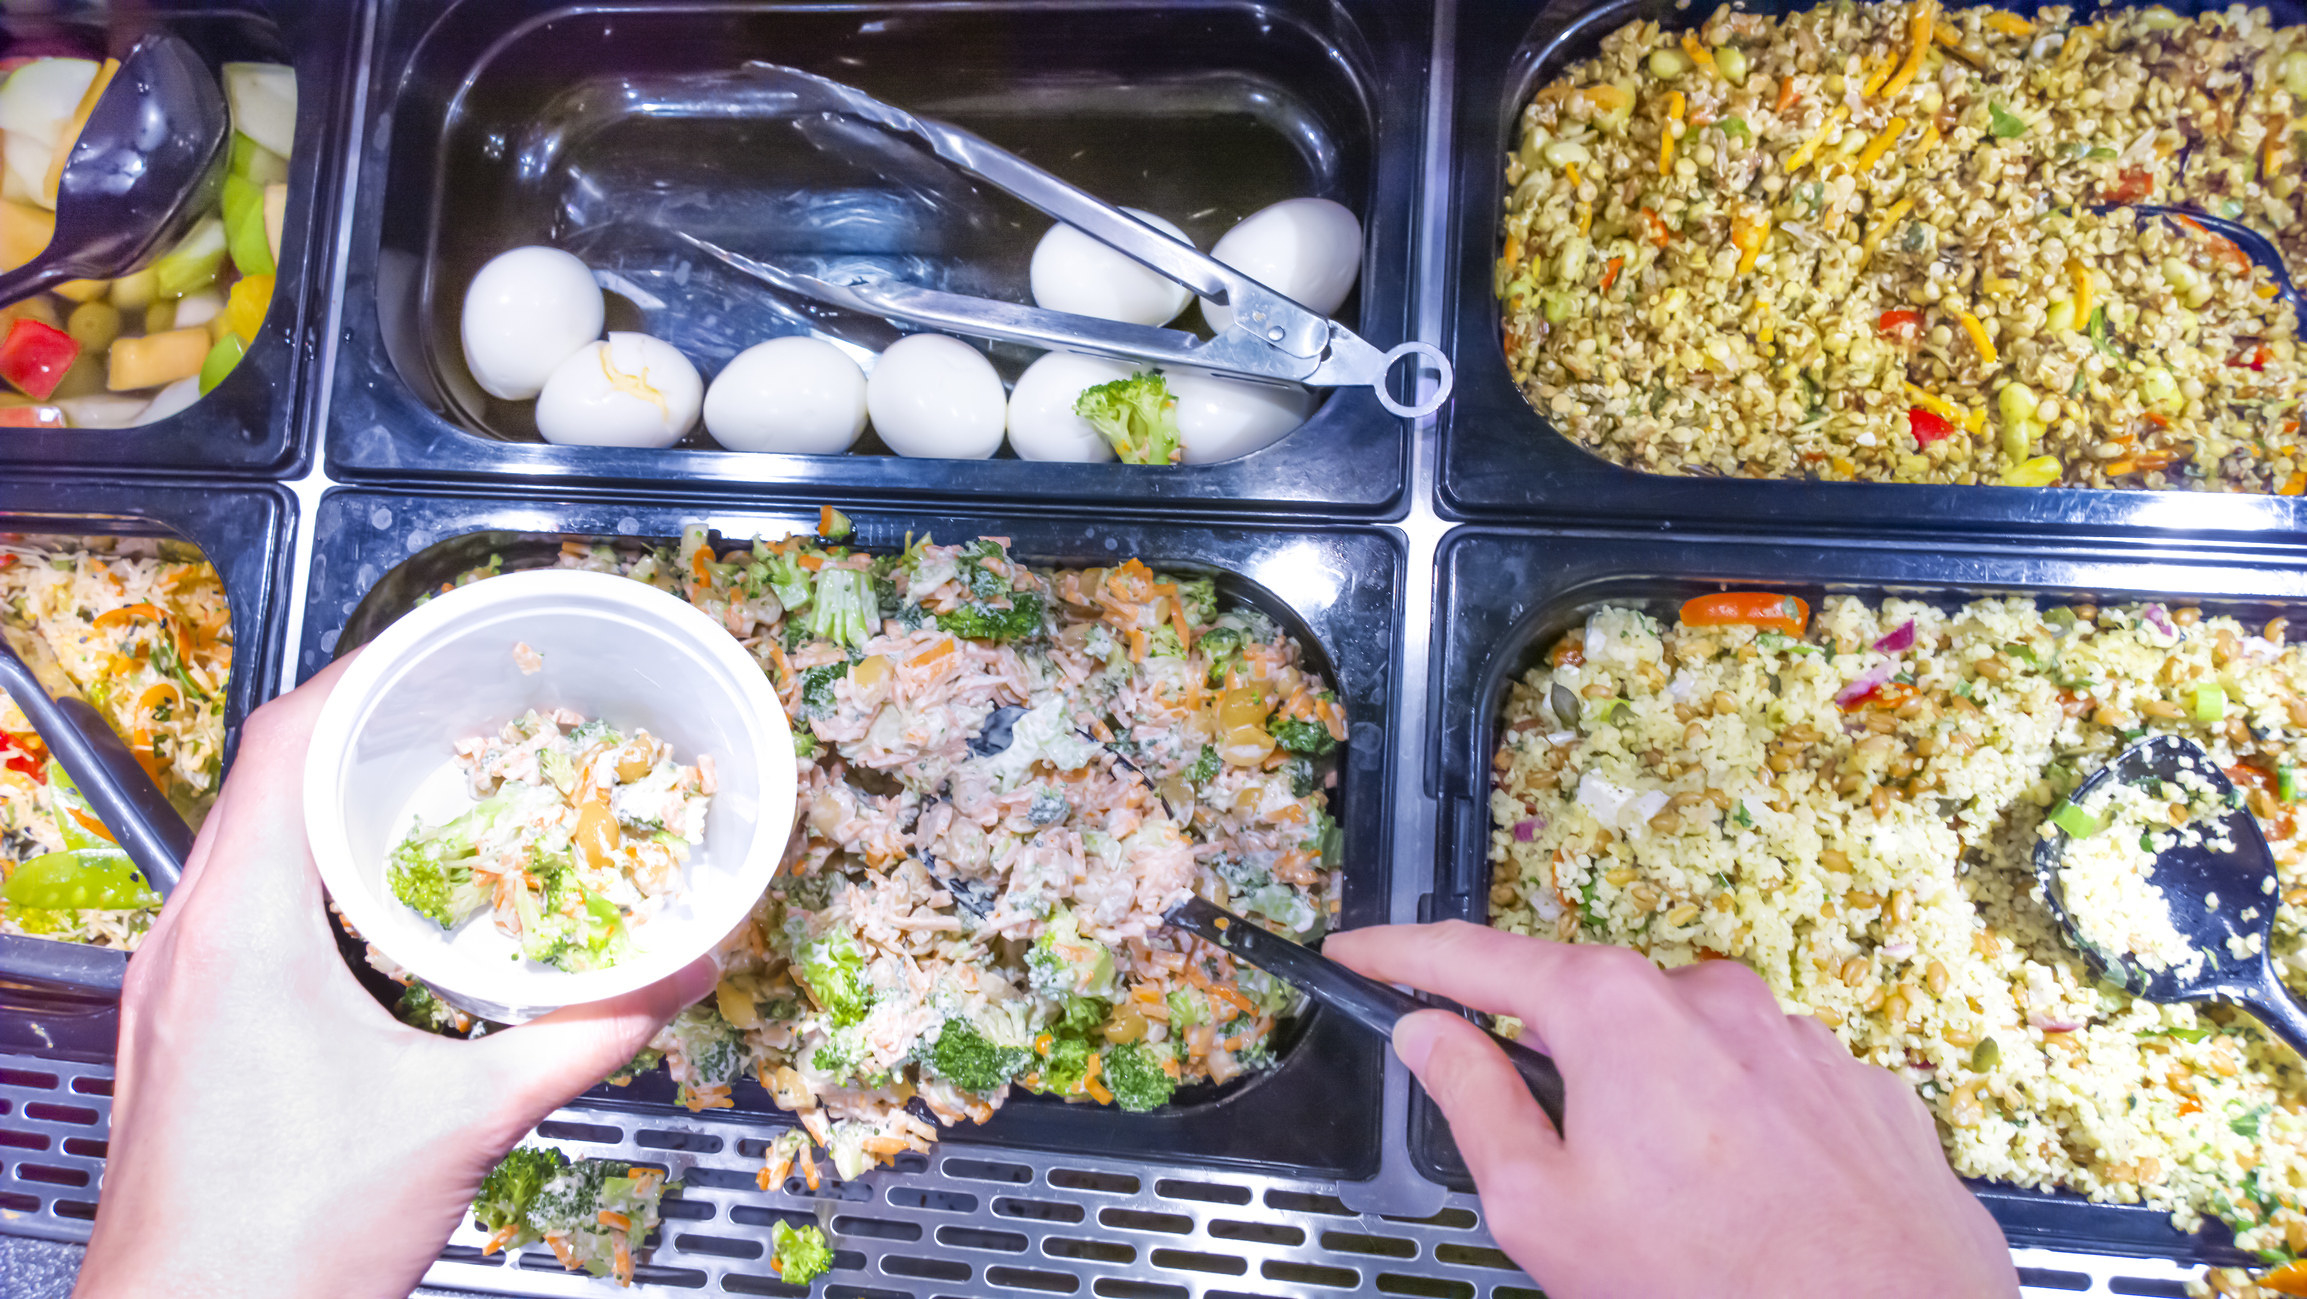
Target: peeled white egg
x=1042, y=425
x=1307, y=249
x=1220, y=418
x=630, y=391
x=526, y=312
x=938, y=397
x=798, y=395
x=1073, y=272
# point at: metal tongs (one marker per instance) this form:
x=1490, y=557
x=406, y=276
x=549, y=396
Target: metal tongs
x=1271, y=337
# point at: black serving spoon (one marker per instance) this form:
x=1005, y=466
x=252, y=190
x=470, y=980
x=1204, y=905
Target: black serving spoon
x=2241, y=877
x=1366, y=1002
x=2258, y=247
x=146, y=167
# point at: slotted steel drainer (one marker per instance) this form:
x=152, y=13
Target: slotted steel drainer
x=967, y=1219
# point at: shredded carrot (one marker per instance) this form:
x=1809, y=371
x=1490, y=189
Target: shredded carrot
x=1610, y=273
x=1233, y=998
x=622, y=1263
x=1882, y=227
x=150, y=699
x=1657, y=225
x=1919, y=32
x=503, y=1236
x=612, y=1218
x=2009, y=24
x=1880, y=74
x=700, y=563
x=91, y=825
x=561, y=1252
x=933, y=653
x=1785, y=94
x=1880, y=144
x=1749, y=234
x=811, y=563
x=809, y=1176
x=115, y=617
x=1137, y=644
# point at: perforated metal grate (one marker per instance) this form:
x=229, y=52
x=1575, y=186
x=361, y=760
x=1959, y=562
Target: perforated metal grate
x=966, y=1220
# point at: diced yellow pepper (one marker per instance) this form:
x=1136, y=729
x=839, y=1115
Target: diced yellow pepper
x=2041, y=471
x=244, y=309
x=1880, y=145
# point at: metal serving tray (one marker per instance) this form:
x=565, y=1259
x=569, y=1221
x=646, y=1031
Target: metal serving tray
x=1203, y=111
x=1335, y=588
x=1504, y=598
x=244, y=531
x=252, y=422
x=1499, y=457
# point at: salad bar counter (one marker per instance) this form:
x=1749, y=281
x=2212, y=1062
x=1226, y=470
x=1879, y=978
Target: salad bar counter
x=1079, y=595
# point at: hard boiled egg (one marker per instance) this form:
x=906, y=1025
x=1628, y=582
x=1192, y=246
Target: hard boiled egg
x=1042, y=425
x=799, y=395
x=1073, y=272
x=1307, y=249
x=935, y=396
x=1220, y=418
x=525, y=313
x=630, y=391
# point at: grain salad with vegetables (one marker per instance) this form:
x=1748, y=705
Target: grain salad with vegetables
x=1007, y=774
x=142, y=631
x=1900, y=243
x=1850, y=807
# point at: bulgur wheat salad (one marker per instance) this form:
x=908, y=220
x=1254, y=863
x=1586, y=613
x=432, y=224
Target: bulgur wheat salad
x=1007, y=773
x=1893, y=242
x=142, y=631
x=1851, y=809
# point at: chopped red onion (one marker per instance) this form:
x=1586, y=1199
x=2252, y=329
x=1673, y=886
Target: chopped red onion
x=1863, y=685
x=2161, y=620
x=1898, y=641
x=1527, y=828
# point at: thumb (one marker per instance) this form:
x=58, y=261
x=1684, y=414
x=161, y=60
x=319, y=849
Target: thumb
x=1507, y=1141
x=548, y=1061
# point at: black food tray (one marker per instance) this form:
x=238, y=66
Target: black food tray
x=489, y=124
x=1337, y=589
x=245, y=531
x=1504, y=598
x=1501, y=458
x=252, y=422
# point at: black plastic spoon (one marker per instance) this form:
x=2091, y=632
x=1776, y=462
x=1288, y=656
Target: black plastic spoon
x=1366, y=1002
x=2241, y=878
x=147, y=166
x=2258, y=247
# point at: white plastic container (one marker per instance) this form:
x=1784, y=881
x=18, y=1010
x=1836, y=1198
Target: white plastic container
x=613, y=649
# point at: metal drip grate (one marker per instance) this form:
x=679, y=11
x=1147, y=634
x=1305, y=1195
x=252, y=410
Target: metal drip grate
x=965, y=1220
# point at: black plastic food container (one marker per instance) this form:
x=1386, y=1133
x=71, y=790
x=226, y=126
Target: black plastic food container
x=1501, y=458
x=489, y=124
x=1505, y=598
x=1335, y=588
x=244, y=530
x=252, y=422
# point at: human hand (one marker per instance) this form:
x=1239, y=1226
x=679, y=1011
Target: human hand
x=1716, y=1146
x=274, y=1130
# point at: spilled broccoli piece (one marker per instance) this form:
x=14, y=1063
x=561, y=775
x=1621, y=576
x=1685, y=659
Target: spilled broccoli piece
x=511, y=1188
x=798, y=1255
x=1137, y=416
x=967, y=1058
x=419, y=1008
x=709, y=1046
x=1133, y=1072
x=1311, y=739
x=643, y=1061
x=832, y=968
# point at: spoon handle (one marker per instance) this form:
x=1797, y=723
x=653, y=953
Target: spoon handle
x=126, y=801
x=1367, y=1002
x=2278, y=1011
x=30, y=278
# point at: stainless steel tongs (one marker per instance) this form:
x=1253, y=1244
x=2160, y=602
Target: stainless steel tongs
x=1271, y=336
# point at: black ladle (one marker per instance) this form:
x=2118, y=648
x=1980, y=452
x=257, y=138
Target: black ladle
x=2243, y=877
x=1366, y=1002
x=148, y=165
x=141, y=819
x=2258, y=247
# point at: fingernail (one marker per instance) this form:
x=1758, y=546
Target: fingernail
x=1414, y=1041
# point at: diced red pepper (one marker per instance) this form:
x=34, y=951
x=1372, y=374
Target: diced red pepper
x=31, y=417
x=2129, y=187
x=34, y=357
x=26, y=755
x=1926, y=427
x=2256, y=360
x=1765, y=609
x=1901, y=323
x=1890, y=694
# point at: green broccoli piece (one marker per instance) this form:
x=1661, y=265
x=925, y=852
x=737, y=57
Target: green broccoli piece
x=1311, y=739
x=511, y=1188
x=1063, y=963
x=1221, y=648
x=1206, y=767
x=710, y=1049
x=786, y=579
x=832, y=968
x=1082, y=1014
x=643, y=1061
x=1133, y=1072
x=1137, y=415
x=419, y=1008
x=798, y=1255
x=804, y=743
x=967, y=1058
x=1199, y=595
x=847, y=610
x=430, y=870
x=976, y=621
x=838, y=1056
x=1163, y=642
x=1063, y=1069
x=817, y=689
x=1188, y=1008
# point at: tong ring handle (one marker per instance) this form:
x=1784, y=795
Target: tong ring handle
x=1447, y=378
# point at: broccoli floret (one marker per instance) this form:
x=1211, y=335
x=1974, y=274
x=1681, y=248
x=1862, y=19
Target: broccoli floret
x=798, y=1255
x=1163, y=642
x=1188, y=1008
x=1304, y=779
x=511, y=1188
x=975, y=621
x=838, y=1056
x=1064, y=1067
x=832, y=968
x=847, y=610
x=967, y=1058
x=419, y=1008
x=1311, y=739
x=442, y=892
x=1221, y=648
x=643, y=1061
x=817, y=689
x=804, y=743
x=1133, y=1072
x=1081, y=1014
x=1063, y=963
x=1199, y=595
x=788, y=580
x=711, y=1051
x=1137, y=415
x=1206, y=767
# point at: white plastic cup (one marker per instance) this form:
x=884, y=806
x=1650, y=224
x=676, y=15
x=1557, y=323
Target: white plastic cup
x=613, y=649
